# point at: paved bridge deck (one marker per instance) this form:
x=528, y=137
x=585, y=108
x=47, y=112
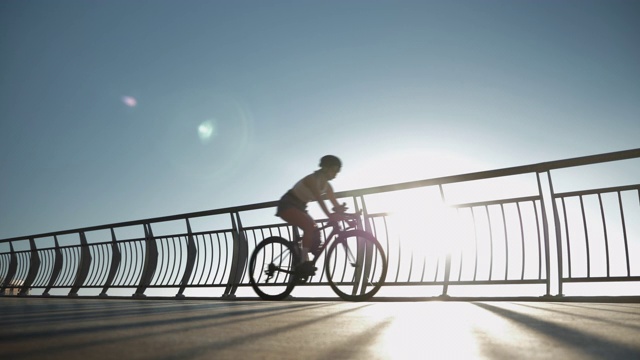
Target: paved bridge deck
x=36, y=328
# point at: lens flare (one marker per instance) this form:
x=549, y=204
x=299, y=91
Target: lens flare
x=130, y=101
x=206, y=131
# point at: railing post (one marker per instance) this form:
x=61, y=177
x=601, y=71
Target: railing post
x=34, y=267
x=57, y=267
x=239, y=260
x=545, y=230
x=556, y=221
x=447, y=264
x=115, y=262
x=150, y=262
x=84, y=264
x=192, y=253
x=13, y=266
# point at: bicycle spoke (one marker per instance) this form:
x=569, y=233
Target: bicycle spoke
x=356, y=265
x=271, y=268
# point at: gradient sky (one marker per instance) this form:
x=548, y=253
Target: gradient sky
x=121, y=110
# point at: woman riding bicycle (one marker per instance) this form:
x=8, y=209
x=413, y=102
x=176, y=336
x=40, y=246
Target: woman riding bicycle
x=292, y=207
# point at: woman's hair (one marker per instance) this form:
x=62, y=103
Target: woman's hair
x=330, y=160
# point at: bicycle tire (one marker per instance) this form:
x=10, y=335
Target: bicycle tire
x=278, y=253
x=365, y=277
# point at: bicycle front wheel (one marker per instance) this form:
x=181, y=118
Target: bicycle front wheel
x=355, y=265
x=271, y=270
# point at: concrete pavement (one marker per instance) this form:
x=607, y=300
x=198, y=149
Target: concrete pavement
x=37, y=328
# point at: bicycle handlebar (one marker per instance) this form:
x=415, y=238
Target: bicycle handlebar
x=352, y=220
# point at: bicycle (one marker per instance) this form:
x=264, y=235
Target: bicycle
x=355, y=263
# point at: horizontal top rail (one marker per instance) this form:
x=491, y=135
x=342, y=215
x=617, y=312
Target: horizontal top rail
x=597, y=191
x=517, y=170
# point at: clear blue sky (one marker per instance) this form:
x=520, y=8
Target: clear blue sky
x=235, y=100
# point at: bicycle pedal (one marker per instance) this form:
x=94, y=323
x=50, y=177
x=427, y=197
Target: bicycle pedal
x=306, y=269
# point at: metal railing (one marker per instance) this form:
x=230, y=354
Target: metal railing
x=531, y=236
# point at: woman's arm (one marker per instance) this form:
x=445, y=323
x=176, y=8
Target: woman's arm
x=311, y=182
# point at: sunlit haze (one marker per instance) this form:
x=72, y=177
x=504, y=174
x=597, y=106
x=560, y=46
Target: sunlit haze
x=121, y=110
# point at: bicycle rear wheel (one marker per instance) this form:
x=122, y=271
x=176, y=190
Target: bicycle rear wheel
x=355, y=265
x=271, y=270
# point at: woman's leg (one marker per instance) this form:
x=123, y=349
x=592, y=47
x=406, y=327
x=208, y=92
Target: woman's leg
x=302, y=220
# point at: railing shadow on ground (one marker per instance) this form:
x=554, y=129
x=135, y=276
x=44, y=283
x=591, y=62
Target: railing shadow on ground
x=86, y=326
x=548, y=226
x=567, y=336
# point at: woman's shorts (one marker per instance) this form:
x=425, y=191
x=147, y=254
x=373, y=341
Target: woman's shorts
x=289, y=200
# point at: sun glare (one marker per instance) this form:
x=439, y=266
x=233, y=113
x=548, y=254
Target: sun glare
x=206, y=130
x=130, y=101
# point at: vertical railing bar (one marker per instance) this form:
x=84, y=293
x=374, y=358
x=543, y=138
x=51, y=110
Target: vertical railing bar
x=521, y=240
x=262, y=261
x=202, y=245
x=386, y=234
x=139, y=258
x=176, y=264
x=194, y=271
x=123, y=269
x=42, y=254
x=545, y=226
x=447, y=264
x=119, y=272
x=35, y=275
x=94, y=268
x=165, y=273
x=133, y=254
x=66, y=264
x=204, y=254
x=47, y=262
x=219, y=262
x=586, y=237
x=126, y=252
x=98, y=265
x=486, y=210
x=165, y=263
x=196, y=260
x=162, y=268
x=558, y=237
x=186, y=257
x=102, y=270
x=108, y=252
x=61, y=268
x=475, y=233
x=114, y=263
x=23, y=261
x=140, y=249
x=226, y=259
x=506, y=243
x=535, y=214
x=624, y=233
x=212, y=257
x=174, y=279
x=136, y=256
x=255, y=244
x=461, y=251
x=566, y=231
x=73, y=273
x=604, y=228
x=399, y=259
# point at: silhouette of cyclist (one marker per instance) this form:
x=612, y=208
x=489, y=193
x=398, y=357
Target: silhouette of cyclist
x=292, y=207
